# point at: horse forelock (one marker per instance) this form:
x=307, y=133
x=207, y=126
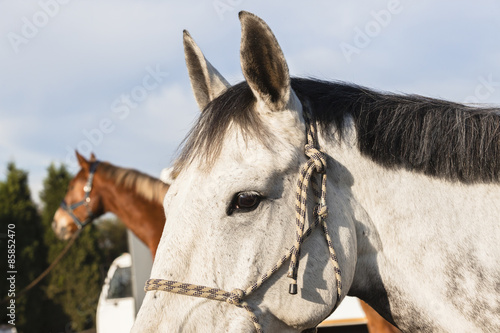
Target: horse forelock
x=145, y=186
x=235, y=107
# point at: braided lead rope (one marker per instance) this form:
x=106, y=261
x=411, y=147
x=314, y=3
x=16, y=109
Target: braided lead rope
x=316, y=162
x=321, y=212
x=234, y=297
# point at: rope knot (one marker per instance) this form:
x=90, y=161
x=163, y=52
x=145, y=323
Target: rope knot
x=317, y=156
x=322, y=210
x=235, y=297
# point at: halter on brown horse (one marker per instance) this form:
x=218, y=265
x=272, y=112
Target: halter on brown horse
x=100, y=187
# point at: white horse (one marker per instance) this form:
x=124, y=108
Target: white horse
x=413, y=196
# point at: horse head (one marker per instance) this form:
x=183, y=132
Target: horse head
x=80, y=204
x=231, y=213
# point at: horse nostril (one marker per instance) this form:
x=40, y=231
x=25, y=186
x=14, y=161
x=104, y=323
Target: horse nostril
x=62, y=233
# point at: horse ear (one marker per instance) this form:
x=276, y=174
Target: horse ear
x=263, y=63
x=206, y=81
x=92, y=157
x=84, y=164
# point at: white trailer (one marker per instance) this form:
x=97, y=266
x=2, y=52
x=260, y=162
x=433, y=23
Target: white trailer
x=123, y=290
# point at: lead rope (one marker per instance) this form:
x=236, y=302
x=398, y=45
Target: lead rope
x=316, y=163
x=47, y=270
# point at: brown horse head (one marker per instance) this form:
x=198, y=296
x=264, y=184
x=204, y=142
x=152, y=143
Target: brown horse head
x=81, y=204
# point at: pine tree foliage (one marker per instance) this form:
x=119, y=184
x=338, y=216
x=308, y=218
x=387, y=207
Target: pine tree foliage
x=18, y=209
x=75, y=283
x=66, y=300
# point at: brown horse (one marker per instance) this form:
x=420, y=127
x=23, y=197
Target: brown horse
x=375, y=322
x=137, y=199
x=100, y=187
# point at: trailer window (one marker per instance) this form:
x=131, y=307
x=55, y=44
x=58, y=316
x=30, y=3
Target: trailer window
x=120, y=285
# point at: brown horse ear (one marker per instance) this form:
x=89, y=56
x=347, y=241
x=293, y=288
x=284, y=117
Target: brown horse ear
x=84, y=164
x=206, y=82
x=92, y=157
x=263, y=63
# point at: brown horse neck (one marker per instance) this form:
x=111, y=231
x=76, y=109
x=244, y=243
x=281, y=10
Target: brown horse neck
x=145, y=218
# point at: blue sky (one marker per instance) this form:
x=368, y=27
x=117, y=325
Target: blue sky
x=109, y=76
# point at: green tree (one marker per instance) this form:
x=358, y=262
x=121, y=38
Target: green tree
x=66, y=300
x=18, y=209
x=112, y=239
x=75, y=283
x=54, y=188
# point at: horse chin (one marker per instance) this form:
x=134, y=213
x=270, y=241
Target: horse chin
x=211, y=316
x=66, y=235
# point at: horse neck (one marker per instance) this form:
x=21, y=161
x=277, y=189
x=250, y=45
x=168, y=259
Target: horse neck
x=145, y=218
x=410, y=226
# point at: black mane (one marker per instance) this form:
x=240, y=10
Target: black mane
x=435, y=137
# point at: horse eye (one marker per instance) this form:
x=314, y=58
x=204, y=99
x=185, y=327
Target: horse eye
x=245, y=202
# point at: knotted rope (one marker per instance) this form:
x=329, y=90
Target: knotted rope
x=316, y=163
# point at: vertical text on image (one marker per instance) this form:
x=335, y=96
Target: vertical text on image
x=11, y=273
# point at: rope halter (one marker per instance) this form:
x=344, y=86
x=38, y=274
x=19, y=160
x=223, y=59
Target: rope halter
x=316, y=163
x=85, y=201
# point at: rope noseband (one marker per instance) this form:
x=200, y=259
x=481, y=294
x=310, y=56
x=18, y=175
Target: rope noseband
x=316, y=163
x=85, y=201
